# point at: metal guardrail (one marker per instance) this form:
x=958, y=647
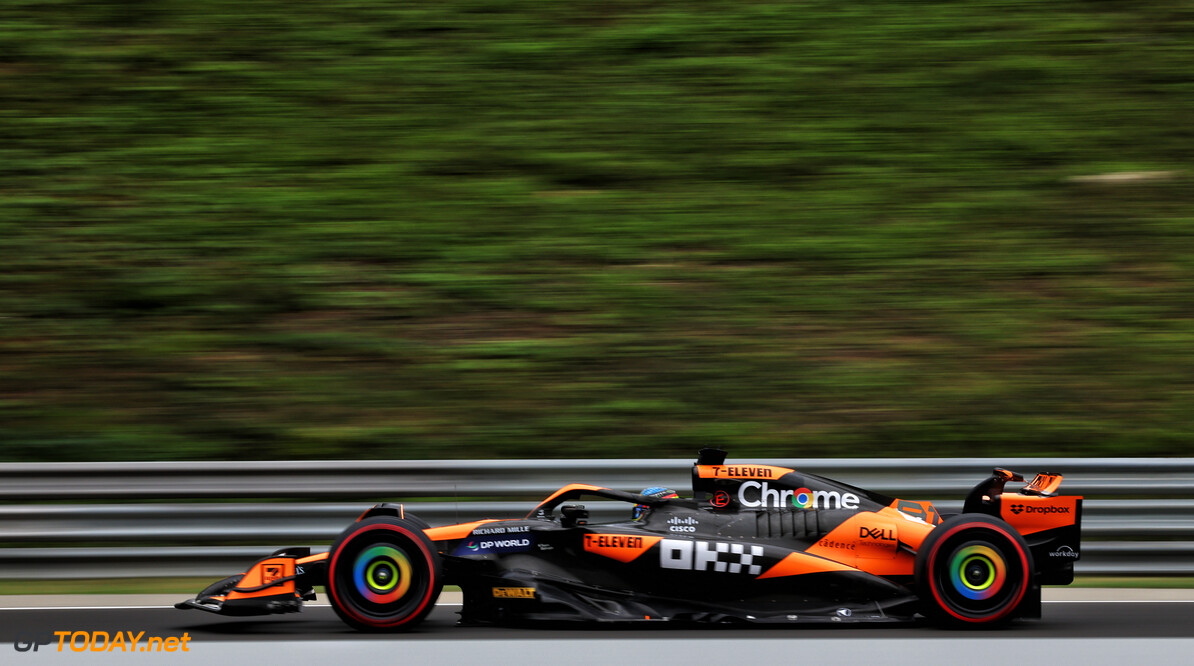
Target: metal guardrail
x=1138, y=516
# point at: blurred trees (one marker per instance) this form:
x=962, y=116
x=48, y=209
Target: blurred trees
x=519, y=228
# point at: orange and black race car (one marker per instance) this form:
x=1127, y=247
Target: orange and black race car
x=756, y=543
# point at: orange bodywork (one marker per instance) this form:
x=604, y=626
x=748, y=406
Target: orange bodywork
x=448, y=532
x=1029, y=514
x=620, y=547
x=796, y=564
x=311, y=559
x=871, y=542
x=261, y=575
x=920, y=510
x=741, y=471
x=1045, y=484
x=566, y=489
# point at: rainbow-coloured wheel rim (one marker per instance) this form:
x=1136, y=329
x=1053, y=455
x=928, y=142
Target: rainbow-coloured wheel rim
x=382, y=574
x=977, y=572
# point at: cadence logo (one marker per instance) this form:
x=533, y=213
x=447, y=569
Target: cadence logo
x=1028, y=508
x=759, y=495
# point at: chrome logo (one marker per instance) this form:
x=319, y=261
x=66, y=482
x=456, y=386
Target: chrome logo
x=977, y=572
x=382, y=574
x=803, y=498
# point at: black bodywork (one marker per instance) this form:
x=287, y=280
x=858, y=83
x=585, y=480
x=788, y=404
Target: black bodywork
x=694, y=576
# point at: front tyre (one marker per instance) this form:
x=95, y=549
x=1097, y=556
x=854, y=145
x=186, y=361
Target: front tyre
x=973, y=571
x=384, y=574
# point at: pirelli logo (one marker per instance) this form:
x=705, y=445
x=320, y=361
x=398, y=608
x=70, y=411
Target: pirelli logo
x=513, y=593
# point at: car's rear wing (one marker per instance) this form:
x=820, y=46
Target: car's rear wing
x=1050, y=523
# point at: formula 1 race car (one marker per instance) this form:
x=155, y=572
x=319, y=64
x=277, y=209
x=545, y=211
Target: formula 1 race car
x=756, y=543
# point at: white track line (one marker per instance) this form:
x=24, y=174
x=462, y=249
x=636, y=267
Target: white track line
x=34, y=608
x=1058, y=601
x=1119, y=601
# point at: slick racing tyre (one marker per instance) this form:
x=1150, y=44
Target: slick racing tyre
x=384, y=574
x=973, y=571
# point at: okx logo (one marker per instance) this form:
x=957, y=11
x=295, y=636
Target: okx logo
x=710, y=556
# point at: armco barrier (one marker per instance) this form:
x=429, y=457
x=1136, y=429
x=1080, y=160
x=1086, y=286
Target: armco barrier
x=99, y=520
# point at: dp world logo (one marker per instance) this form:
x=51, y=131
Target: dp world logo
x=472, y=545
x=1017, y=509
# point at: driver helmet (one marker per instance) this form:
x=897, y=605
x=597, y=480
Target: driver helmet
x=641, y=510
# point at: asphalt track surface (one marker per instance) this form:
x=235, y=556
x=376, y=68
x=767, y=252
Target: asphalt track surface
x=1099, y=632
x=1061, y=619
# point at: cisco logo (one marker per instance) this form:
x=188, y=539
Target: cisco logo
x=682, y=524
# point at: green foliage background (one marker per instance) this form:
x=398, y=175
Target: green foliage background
x=508, y=228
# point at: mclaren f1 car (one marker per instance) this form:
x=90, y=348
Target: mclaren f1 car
x=755, y=543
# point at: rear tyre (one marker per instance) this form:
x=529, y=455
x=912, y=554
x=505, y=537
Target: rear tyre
x=384, y=574
x=973, y=571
